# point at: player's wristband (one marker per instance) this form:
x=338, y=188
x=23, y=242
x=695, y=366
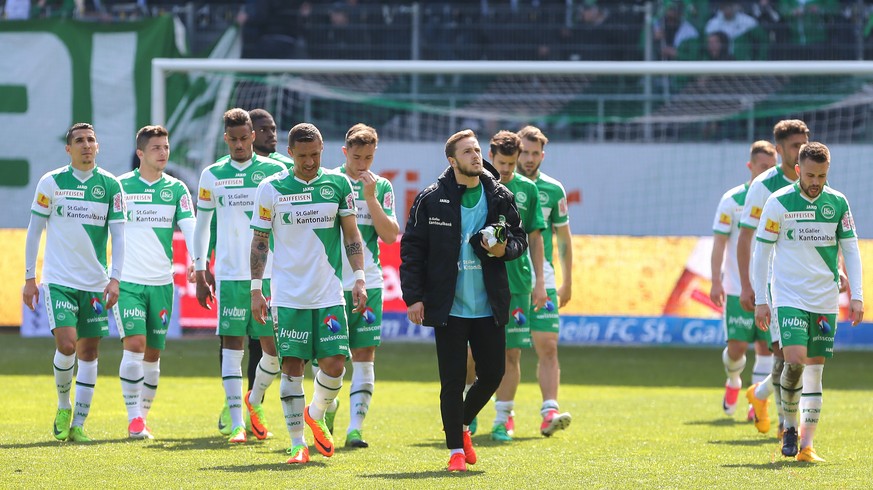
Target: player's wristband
x=360, y=276
x=257, y=284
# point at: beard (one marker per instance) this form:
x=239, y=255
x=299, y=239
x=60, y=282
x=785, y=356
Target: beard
x=469, y=172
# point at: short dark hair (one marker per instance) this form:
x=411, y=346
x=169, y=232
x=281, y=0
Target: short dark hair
x=533, y=133
x=360, y=134
x=304, y=133
x=76, y=127
x=815, y=151
x=258, y=114
x=147, y=132
x=505, y=143
x=237, y=117
x=788, y=127
x=453, y=140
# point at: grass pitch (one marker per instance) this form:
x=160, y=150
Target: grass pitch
x=645, y=418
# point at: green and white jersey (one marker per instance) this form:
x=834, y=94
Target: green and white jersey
x=153, y=209
x=806, y=233
x=229, y=187
x=79, y=213
x=553, y=201
x=302, y=218
x=759, y=190
x=372, y=265
x=520, y=271
x=726, y=222
x=283, y=159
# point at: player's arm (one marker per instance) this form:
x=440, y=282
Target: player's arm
x=565, y=251
x=116, y=217
x=766, y=237
x=30, y=292
x=852, y=259
x=200, y=242
x=413, y=258
x=748, y=224
x=716, y=292
x=257, y=264
x=386, y=226
x=355, y=254
x=535, y=244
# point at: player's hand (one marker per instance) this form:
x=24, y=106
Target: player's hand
x=762, y=317
x=498, y=250
x=415, y=313
x=30, y=293
x=210, y=279
x=844, y=282
x=205, y=296
x=747, y=299
x=359, y=296
x=369, y=181
x=564, y=293
x=539, y=297
x=110, y=293
x=259, y=306
x=192, y=278
x=856, y=312
x=716, y=293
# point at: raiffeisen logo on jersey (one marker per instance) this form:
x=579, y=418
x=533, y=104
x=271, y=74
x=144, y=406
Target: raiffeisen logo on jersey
x=304, y=197
x=69, y=193
x=138, y=197
x=229, y=183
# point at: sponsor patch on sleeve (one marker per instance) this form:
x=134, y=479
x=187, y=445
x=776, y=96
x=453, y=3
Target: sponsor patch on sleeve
x=756, y=212
x=265, y=214
x=724, y=219
x=848, y=222
x=205, y=194
x=772, y=226
x=185, y=203
x=118, y=203
x=42, y=200
x=388, y=200
x=562, y=207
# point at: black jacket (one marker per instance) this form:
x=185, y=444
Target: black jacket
x=430, y=247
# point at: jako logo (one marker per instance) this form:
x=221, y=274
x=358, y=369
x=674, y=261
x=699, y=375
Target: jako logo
x=165, y=316
x=97, y=306
x=369, y=316
x=518, y=314
x=332, y=323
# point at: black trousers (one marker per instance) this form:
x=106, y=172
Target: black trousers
x=488, y=344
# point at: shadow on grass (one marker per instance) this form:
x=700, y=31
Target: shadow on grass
x=717, y=422
x=415, y=475
x=56, y=443
x=746, y=442
x=773, y=465
x=196, y=443
x=483, y=440
x=248, y=468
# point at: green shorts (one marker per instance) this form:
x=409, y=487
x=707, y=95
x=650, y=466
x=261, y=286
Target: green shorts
x=740, y=324
x=518, y=328
x=144, y=310
x=235, y=317
x=800, y=327
x=547, y=319
x=68, y=307
x=365, y=329
x=311, y=334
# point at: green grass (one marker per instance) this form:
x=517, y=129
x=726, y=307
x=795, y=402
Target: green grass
x=641, y=418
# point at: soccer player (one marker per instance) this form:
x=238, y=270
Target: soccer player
x=80, y=205
x=374, y=201
x=805, y=224
x=789, y=135
x=739, y=324
x=308, y=212
x=545, y=323
x=156, y=203
x=526, y=282
x=227, y=188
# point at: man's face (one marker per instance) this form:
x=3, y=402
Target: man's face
x=760, y=163
x=307, y=158
x=265, y=136
x=531, y=157
x=790, y=148
x=468, y=158
x=505, y=165
x=813, y=176
x=156, y=153
x=359, y=158
x=83, y=146
x=239, y=141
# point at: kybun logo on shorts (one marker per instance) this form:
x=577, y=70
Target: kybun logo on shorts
x=167, y=195
x=98, y=192
x=326, y=192
x=369, y=316
x=828, y=211
x=518, y=315
x=331, y=322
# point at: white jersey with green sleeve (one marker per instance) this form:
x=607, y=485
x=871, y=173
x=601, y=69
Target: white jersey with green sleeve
x=726, y=222
x=79, y=214
x=229, y=187
x=372, y=265
x=806, y=234
x=553, y=201
x=303, y=219
x=520, y=271
x=153, y=209
x=760, y=189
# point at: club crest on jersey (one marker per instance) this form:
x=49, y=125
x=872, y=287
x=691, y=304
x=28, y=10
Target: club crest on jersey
x=258, y=176
x=332, y=324
x=518, y=315
x=828, y=211
x=42, y=200
x=98, y=192
x=521, y=197
x=543, y=197
x=369, y=316
x=97, y=306
x=165, y=317
x=724, y=219
x=167, y=195
x=327, y=193
x=772, y=226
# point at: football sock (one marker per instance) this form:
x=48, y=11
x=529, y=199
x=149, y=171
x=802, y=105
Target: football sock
x=63, y=369
x=231, y=379
x=360, y=393
x=293, y=402
x=267, y=370
x=762, y=367
x=130, y=372
x=548, y=405
x=733, y=369
x=503, y=410
x=326, y=389
x=792, y=383
x=86, y=379
x=151, y=374
x=776, y=380
x=810, y=403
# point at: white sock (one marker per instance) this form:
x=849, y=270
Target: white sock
x=63, y=368
x=765, y=389
x=130, y=371
x=810, y=403
x=86, y=378
x=293, y=401
x=151, y=374
x=231, y=379
x=776, y=380
x=326, y=389
x=503, y=410
x=267, y=370
x=361, y=392
x=548, y=406
x=762, y=367
x=791, y=390
x=733, y=369
x=334, y=405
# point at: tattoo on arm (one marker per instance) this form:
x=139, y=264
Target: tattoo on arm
x=258, y=257
x=354, y=248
